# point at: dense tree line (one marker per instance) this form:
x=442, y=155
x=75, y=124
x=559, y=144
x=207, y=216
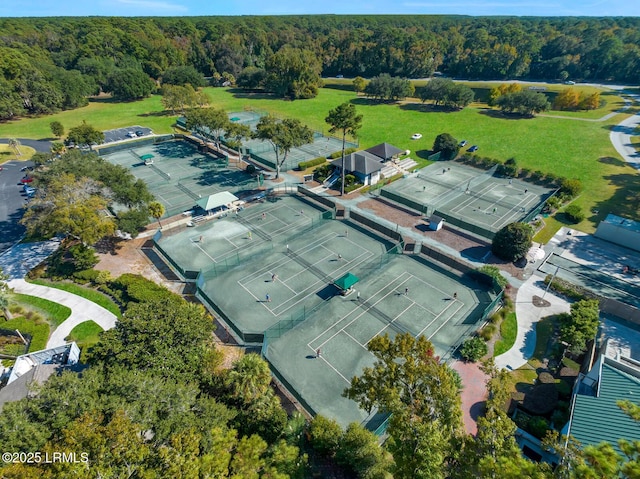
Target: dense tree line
x=47, y=64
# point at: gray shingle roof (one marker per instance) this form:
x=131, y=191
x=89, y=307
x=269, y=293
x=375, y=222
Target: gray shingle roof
x=360, y=162
x=384, y=151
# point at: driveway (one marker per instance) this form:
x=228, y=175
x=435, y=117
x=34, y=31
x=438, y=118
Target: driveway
x=81, y=309
x=620, y=137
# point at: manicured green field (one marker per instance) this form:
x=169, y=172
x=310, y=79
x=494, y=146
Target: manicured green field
x=85, y=334
x=54, y=312
x=39, y=332
x=8, y=154
x=567, y=147
x=87, y=293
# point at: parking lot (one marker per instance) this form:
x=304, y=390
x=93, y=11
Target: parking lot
x=130, y=132
x=12, y=201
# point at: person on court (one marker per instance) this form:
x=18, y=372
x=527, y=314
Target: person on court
x=455, y=295
x=249, y=235
x=274, y=277
x=406, y=291
x=200, y=240
x=268, y=298
x=318, y=353
x=264, y=215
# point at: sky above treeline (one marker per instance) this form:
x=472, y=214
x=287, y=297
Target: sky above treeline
x=543, y=8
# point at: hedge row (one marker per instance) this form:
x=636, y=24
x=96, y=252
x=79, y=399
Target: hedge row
x=338, y=154
x=137, y=289
x=303, y=165
x=569, y=290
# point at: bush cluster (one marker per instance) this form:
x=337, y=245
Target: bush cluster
x=473, y=349
x=133, y=288
x=338, y=154
x=303, y=165
x=574, y=213
x=569, y=290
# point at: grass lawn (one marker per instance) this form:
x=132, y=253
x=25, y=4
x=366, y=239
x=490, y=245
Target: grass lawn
x=85, y=335
x=87, y=293
x=508, y=331
x=54, y=312
x=9, y=154
x=566, y=147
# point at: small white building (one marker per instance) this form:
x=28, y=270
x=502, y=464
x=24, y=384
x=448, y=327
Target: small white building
x=436, y=223
x=363, y=165
x=621, y=231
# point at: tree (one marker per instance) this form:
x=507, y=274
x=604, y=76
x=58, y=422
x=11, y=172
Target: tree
x=344, y=119
x=208, y=122
x=168, y=336
x=581, y=325
x=473, y=349
x=386, y=87
x=567, y=99
x=447, y=145
x=70, y=206
x=325, y=435
x=235, y=134
x=421, y=394
x=359, y=84
x=524, y=103
x=128, y=84
x=283, y=136
x=251, y=77
x=502, y=89
x=183, y=76
x=157, y=211
x=435, y=90
x=56, y=128
x=293, y=73
x=177, y=97
x=494, y=453
x=590, y=102
x=15, y=144
x=513, y=241
x=360, y=452
x=4, y=295
x=85, y=135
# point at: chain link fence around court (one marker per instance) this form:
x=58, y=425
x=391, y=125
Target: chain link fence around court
x=366, y=271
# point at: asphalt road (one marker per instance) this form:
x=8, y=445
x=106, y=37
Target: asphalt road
x=12, y=201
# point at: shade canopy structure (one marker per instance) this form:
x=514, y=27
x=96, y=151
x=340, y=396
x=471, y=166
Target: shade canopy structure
x=347, y=281
x=217, y=200
x=146, y=157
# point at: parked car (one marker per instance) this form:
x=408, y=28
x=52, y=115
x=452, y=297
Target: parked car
x=131, y=134
x=473, y=148
x=28, y=189
x=139, y=133
x=26, y=179
x=416, y=136
x=25, y=168
x=462, y=143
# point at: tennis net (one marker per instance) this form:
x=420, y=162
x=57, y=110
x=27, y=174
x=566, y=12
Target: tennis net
x=370, y=308
x=296, y=257
x=254, y=229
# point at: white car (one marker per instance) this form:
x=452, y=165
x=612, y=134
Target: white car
x=131, y=135
x=416, y=136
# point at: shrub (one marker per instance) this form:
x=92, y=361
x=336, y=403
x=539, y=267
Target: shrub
x=570, y=188
x=493, y=274
x=554, y=203
x=85, y=276
x=473, y=349
x=508, y=168
x=538, y=426
x=513, y=241
x=569, y=290
x=250, y=169
x=488, y=331
x=135, y=288
x=546, y=378
x=303, y=165
x=338, y=154
x=574, y=213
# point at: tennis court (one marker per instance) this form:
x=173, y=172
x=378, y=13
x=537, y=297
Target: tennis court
x=178, y=175
x=466, y=197
x=289, y=274
x=404, y=296
x=322, y=146
x=225, y=241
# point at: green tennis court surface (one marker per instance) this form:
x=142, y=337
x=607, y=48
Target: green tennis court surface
x=405, y=296
x=179, y=175
x=467, y=197
x=295, y=267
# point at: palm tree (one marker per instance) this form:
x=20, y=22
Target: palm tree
x=344, y=118
x=249, y=379
x=157, y=210
x=15, y=144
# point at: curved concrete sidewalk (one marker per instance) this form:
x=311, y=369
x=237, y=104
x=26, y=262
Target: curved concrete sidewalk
x=528, y=316
x=620, y=137
x=81, y=309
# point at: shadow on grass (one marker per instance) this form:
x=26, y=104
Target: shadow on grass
x=157, y=114
x=254, y=94
x=370, y=102
x=624, y=201
x=428, y=108
x=504, y=116
x=424, y=154
x=609, y=160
